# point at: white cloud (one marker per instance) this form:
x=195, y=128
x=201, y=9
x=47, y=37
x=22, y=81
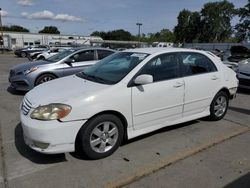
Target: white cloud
x=48, y=15
x=4, y=13
x=25, y=2
x=66, y=17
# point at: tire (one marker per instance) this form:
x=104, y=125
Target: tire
x=44, y=78
x=41, y=58
x=104, y=142
x=219, y=106
x=23, y=54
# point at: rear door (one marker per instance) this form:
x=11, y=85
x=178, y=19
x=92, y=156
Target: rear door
x=201, y=80
x=103, y=53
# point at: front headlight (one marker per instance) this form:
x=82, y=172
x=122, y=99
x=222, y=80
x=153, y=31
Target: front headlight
x=30, y=70
x=51, y=111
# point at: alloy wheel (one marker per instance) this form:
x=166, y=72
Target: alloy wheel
x=103, y=137
x=220, y=106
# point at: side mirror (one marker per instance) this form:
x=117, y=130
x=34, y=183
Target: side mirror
x=143, y=79
x=69, y=61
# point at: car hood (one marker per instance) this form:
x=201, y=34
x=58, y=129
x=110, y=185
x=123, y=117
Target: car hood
x=63, y=90
x=28, y=65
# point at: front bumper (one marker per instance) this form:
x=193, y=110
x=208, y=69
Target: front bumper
x=50, y=137
x=21, y=83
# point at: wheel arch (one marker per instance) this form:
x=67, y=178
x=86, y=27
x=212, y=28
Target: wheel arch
x=226, y=90
x=43, y=73
x=113, y=112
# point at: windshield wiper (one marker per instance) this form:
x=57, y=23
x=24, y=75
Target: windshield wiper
x=96, y=78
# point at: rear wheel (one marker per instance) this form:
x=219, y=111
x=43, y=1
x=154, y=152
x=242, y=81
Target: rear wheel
x=219, y=106
x=44, y=78
x=101, y=136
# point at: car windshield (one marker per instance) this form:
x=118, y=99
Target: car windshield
x=60, y=55
x=113, y=68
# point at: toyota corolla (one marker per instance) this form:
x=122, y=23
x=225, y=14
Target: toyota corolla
x=125, y=95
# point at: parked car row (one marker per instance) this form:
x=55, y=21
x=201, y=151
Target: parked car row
x=24, y=52
x=124, y=95
x=28, y=75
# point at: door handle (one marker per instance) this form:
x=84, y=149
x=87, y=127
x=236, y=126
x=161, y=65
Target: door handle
x=214, y=78
x=178, y=84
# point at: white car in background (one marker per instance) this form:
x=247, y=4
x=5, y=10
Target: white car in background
x=50, y=53
x=125, y=95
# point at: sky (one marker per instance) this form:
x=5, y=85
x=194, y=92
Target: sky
x=82, y=17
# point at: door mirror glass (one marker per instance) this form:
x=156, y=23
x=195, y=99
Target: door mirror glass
x=143, y=79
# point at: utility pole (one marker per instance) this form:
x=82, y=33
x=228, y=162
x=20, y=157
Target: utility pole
x=139, y=32
x=1, y=26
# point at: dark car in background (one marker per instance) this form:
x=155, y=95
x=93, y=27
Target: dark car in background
x=24, y=52
x=238, y=53
x=28, y=75
x=243, y=72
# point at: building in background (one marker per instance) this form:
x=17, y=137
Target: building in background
x=13, y=40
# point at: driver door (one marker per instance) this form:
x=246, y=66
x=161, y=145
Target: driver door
x=161, y=102
x=78, y=61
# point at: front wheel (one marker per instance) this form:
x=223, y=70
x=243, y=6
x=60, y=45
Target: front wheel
x=101, y=136
x=219, y=106
x=44, y=78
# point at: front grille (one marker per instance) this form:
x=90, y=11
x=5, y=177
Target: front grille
x=26, y=106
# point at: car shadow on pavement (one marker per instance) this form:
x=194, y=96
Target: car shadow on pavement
x=242, y=182
x=241, y=110
x=32, y=155
x=15, y=92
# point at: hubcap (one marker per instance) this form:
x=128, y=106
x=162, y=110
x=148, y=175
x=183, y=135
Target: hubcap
x=46, y=79
x=103, y=137
x=220, y=106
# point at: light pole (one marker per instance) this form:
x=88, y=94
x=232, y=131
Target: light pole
x=139, y=31
x=1, y=38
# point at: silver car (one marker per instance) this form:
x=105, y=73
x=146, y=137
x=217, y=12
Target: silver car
x=28, y=75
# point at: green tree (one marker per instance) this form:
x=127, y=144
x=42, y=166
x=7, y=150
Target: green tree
x=188, y=27
x=119, y=34
x=15, y=28
x=243, y=28
x=50, y=29
x=165, y=35
x=216, y=21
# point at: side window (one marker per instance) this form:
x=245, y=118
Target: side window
x=162, y=67
x=83, y=56
x=195, y=63
x=103, y=53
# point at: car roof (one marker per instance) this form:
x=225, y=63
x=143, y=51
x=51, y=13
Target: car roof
x=91, y=48
x=157, y=50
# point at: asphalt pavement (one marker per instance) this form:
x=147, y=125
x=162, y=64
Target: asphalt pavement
x=199, y=153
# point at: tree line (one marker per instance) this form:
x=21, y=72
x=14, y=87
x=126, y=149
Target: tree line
x=211, y=24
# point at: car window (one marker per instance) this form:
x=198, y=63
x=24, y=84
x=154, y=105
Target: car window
x=162, y=67
x=103, y=53
x=195, y=63
x=113, y=68
x=83, y=56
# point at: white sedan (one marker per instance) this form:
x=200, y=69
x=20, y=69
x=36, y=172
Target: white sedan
x=125, y=95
